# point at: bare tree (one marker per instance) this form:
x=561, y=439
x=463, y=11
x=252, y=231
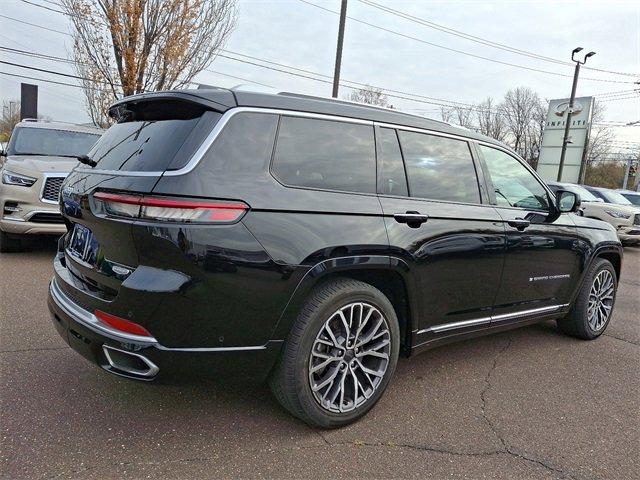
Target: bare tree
x=370, y=95
x=524, y=114
x=601, y=138
x=10, y=117
x=490, y=121
x=123, y=47
x=458, y=115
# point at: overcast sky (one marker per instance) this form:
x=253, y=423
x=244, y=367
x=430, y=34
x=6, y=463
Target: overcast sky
x=297, y=34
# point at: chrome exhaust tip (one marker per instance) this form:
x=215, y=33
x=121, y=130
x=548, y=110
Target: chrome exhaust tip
x=129, y=362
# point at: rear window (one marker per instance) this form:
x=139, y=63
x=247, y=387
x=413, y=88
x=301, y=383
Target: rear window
x=153, y=137
x=325, y=154
x=50, y=142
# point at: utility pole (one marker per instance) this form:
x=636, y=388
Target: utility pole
x=626, y=173
x=567, y=125
x=336, y=70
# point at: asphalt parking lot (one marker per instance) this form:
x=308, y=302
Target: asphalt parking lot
x=529, y=403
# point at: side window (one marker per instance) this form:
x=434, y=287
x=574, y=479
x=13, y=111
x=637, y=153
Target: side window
x=245, y=144
x=327, y=154
x=439, y=168
x=391, y=176
x=514, y=185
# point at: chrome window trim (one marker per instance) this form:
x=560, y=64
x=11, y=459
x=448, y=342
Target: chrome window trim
x=426, y=131
x=217, y=129
x=45, y=177
x=443, y=327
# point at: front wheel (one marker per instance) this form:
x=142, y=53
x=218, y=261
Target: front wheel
x=592, y=311
x=340, y=354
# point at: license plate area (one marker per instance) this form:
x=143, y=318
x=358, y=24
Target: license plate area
x=83, y=246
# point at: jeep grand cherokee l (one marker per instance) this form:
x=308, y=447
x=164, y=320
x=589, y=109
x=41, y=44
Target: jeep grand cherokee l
x=38, y=157
x=311, y=242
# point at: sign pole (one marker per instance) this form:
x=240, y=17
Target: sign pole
x=567, y=125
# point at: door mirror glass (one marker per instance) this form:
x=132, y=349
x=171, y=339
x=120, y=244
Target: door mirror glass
x=567, y=201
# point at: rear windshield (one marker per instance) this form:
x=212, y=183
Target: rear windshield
x=155, y=136
x=49, y=142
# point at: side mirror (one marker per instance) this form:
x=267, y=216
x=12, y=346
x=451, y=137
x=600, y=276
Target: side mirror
x=567, y=201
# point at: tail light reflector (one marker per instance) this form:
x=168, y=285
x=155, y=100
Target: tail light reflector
x=121, y=324
x=169, y=209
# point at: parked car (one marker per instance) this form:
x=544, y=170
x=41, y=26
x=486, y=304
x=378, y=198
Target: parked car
x=38, y=157
x=311, y=241
x=633, y=197
x=618, y=211
x=624, y=218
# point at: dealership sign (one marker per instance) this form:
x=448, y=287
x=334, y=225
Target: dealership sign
x=553, y=136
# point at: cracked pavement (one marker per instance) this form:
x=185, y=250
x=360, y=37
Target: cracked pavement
x=524, y=404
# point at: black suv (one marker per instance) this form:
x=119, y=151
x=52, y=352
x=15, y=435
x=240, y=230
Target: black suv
x=311, y=242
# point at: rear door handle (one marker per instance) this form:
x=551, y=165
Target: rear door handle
x=413, y=219
x=519, y=223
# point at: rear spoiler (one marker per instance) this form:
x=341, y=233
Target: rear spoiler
x=218, y=99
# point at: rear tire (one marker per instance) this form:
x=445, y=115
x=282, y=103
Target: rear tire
x=330, y=374
x=593, y=308
x=9, y=243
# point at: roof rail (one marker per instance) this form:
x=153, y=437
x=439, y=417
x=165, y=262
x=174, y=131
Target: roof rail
x=361, y=104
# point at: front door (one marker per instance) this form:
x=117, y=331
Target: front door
x=541, y=260
x=452, y=242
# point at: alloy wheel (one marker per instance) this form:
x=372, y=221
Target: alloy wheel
x=601, y=298
x=349, y=357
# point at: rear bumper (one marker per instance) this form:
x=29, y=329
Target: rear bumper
x=149, y=359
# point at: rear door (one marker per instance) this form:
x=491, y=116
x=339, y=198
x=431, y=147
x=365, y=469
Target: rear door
x=541, y=258
x=437, y=222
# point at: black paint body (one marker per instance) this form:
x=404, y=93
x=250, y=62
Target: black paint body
x=224, y=297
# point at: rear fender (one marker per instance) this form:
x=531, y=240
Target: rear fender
x=347, y=266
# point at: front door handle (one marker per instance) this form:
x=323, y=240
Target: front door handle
x=413, y=219
x=519, y=223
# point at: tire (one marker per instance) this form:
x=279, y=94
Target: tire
x=9, y=244
x=578, y=322
x=309, y=343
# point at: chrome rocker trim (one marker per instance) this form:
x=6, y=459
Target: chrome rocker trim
x=493, y=318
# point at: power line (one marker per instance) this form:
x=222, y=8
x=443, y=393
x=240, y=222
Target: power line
x=480, y=40
x=48, y=81
x=394, y=32
x=55, y=73
x=35, y=25
x=401, y=94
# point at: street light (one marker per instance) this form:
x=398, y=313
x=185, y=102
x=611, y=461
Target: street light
x=567, y=125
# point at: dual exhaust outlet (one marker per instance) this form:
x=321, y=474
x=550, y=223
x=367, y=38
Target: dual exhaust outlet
x=123, y=361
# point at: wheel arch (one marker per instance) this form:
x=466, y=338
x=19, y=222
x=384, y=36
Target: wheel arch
x=390, y=275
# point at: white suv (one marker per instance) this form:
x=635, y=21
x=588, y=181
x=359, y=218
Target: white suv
x=38, y=158
x=625, y=217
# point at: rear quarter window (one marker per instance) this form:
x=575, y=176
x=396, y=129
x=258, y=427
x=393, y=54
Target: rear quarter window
x=325, y=154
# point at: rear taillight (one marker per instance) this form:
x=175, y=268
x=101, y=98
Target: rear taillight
x=121, y=324
x=168, y=209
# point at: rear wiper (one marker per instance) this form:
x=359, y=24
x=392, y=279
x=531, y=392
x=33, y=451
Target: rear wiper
x=86, y=160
